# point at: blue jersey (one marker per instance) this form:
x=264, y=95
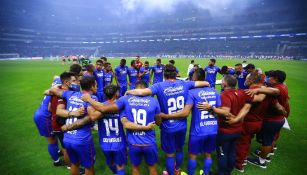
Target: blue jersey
x=111, y=132
x=108, y=77
x=158, y=73
x=81, y=135
x=211, y=74
x=231, y=71
x=99, y=76
x=146, y=76
x=202, y=122
x=43, y=108
x=121, y=74
x=241, y=77
x=56, y=81
x=172, y=96
x=133, y=75
x=142, y=111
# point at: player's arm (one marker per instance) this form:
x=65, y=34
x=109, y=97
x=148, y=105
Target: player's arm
x=62, y=112
x=139, y=92
x=181, y=114
x=280, y=109
x=243, y=112
x=133, y=126
x=94, y=114
x=54, y=91
x=264, y=90
x=258, y=98
x=77, y=124
x=201, y=84
x=221, y=111
x=112, y=107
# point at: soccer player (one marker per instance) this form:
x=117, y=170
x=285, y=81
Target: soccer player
x=108, y=74
x=121, y=76
x=138, y=63
x=240, y=75
x=90, y=68
x=204, y=126
x=138, y=116
x=211, y=71
x=172, y=95
x=191, y=65
x=273, y=121
x=157, y=72
x=79, y=143
x=225, y=70
x=99, y=76
x=145, y=73
x=172, y=62
x=133, y=75
x=112, y=138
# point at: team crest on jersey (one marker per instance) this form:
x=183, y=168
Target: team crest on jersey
x=173, y=90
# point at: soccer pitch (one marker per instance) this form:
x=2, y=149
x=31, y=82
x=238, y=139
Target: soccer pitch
x=23, y=151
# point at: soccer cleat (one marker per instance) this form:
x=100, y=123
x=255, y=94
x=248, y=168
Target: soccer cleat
x=241, y=170
x=256, y=162
x=257, y=154
x=82, y=171
x=60, y=153
x=244, y=162
x=201, y=172
x=177, y=171
x=164, y=172
x=59, y=162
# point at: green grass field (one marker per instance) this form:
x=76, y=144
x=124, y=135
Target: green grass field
x=23, y=151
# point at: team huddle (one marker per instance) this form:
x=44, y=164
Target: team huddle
x=250, y=103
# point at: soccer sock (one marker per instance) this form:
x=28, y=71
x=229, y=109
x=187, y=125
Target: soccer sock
x=191, y=166
x=207, y=165
x=121, y=172
x=170, y=161
x=113, y=169
x=53, y=151
x=179, y=159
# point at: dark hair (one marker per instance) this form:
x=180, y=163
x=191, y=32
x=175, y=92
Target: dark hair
x=75, y=68
x=201, y=74
x=192, y=61
x=99, y=61
x=132, y=62
x=224, y=69
x=213, y=60
x=146, y=62
x=104, y=58
x=239, y=64
x=250, y=66
x=255, y=77
x=170, y=71
x=66, y=76
x=172, y=61
x=87, y=82
x=123, y=61
x=279, y=75
x=159, y=60
x=141, y=83
x=110, y=90
x=230, y=80
x=107, y=63
x=90, y=68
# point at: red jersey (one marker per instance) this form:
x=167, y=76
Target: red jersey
x=283, y=99
x=55, y=101
x=138, y=64
x=258, y=110
x=234, y=99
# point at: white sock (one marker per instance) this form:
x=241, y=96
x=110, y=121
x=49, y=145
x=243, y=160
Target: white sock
x=261, y=160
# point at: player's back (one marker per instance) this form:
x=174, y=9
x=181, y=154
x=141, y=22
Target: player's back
x=172, y=95
x=202, y=122
x=81, y=135
x=111, y=132
x=142, y=111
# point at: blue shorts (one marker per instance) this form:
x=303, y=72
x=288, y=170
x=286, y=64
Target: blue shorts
x=269, y=131
x=83, y=154
x=100, y=96
x=150, y=154
x=172, y=142
x=202, y=144
x=43, y=124
x=122, y=90
x=118, y=157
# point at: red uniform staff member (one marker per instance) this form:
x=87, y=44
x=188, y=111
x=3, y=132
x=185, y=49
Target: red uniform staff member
x=273, y=121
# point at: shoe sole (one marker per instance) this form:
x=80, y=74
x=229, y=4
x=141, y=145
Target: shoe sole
x=241, y=171
x=264, y=167
x=259, y=157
